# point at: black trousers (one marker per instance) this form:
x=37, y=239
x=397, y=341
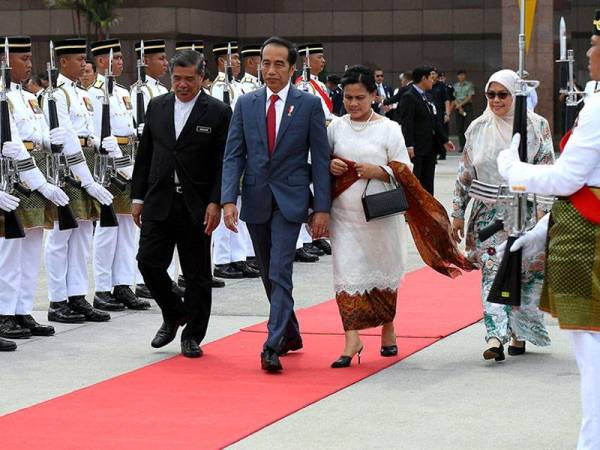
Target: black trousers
x=462, y=123
x=157, y=244
x=424, y=169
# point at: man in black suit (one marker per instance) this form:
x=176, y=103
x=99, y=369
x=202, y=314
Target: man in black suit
x=384, y=92
x=176, y=192
x=421, y=129
x=336, y=94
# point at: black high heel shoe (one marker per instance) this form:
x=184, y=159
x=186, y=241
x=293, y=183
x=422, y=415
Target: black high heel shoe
x=344, y=361
x=388, y=350
x=513, y=350
x=496, y=353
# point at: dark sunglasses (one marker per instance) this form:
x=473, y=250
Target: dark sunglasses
x=501, y=95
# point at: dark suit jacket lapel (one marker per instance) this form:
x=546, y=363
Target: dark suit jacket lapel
x=196, y=114
x=260, y=105
x=169, y=113
x=286, y=117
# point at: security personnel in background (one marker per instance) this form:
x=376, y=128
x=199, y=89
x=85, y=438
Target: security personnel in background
x=251, y=60
x=20, y=258
x=230, y=250
x=115, y=247
x=67, y=251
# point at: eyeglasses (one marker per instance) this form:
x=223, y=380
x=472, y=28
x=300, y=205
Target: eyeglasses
x=491, y=95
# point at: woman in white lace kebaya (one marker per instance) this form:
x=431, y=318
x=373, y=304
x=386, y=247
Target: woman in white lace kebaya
x=369, y=258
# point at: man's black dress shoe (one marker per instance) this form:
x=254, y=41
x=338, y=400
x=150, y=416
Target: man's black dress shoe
x=9, y=328
x=313, y=249
x=513, y=350
x=303, y=256
x=227, y=271
x=190, y=348
x=246, y=270
x=106, y=302
x=216, y=283
x=251, y=262
x=7, y=346
x=290, y=346
x=142, y=291
x=79, y=304
x=166, y=333
x=323, y=245
x=269, y=361
x=27, y=321
x=61, y=312
x=388, y=350
x=125, y=295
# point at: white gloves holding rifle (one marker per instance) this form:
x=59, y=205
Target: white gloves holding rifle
x=533, y=242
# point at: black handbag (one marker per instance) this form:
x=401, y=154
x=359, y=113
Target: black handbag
x=386, y=203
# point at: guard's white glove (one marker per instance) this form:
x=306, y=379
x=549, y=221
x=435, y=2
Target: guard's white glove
x=100, y=193
x=58, y=136
x=15, y=150
x=533, y=242
x=33, y=178
x=8, y=202
x=140, y=129
x=55, y=194
x=509, y=157
x=109, y=143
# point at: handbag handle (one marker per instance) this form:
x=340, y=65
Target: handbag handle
x=392, y=181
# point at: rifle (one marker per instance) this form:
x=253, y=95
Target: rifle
x=9, y=182
x=139, y=95
x=105, y=169
x=228, y=76
x=57, y=167
x=512, y=206
x=566, y=63
x=305, y=71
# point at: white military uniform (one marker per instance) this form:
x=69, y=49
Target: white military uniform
x=228, y=246
x=249, y=83
x=20, y=258
x=67, y=251
x=114, y=247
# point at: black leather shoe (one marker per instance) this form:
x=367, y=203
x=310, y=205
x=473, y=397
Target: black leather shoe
x=61, y=312
x=165, y=334
x=190, y=348
x=79, y=304
x=227, y=271
x=345, y=361
x=290, y=346
x=7, y=346
x=495, y=353
x=106, y=302
x=269, y=361
x=216, y=283
x=142, y=291
x=323, y=245
x=177, y=290
x=251, y=262
x=513, y=350
x=27, y=321
x=313, y=249
x=181, y=281
x=123, y=294
x=9, y=328
x=246, y=270
x=388, y=350
x=303, y=256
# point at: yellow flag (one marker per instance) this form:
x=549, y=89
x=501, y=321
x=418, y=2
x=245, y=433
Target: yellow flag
x=529, y=21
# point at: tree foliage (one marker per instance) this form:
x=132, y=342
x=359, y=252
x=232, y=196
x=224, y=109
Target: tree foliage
x=99, y=15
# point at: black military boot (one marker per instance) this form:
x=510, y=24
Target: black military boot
x=61, y=312
x=323, y=245
x=7, y=346
x=79, y=304
x=27, y=321
x=125, y=295
x=227, y=271
x=141, y=290
x=313, y=249
x=9, y=328
x=247, y=270
x=303, y=256
x=106, y=302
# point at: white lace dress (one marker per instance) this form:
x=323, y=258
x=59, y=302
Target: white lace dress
x=369, y=258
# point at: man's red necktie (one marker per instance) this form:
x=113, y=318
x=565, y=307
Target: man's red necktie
x=271, y=123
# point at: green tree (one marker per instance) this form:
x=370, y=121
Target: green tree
x=99, y=15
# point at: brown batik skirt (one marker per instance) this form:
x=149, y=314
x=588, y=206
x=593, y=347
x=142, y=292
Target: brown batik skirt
x=367, y=310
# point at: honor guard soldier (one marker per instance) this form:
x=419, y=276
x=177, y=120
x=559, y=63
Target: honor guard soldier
x=230, y=249
x=20, y=258
x=115, y=247
x=67, y=251
x=251, y=60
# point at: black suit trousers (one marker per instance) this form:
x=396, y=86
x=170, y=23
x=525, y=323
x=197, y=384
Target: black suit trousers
x=424, y=169
x=157, y=244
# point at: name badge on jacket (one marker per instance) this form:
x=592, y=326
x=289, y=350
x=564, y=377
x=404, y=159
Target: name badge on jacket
x=205, y=130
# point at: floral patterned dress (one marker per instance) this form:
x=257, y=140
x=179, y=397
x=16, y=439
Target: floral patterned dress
x=525, y=322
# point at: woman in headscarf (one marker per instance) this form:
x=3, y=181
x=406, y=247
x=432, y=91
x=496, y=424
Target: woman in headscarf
x=485, y=138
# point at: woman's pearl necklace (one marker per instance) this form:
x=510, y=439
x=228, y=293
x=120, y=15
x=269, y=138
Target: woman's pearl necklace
x=363, y=124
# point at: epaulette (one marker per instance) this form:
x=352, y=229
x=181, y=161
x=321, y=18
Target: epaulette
x=99, y=84
x=121, y=86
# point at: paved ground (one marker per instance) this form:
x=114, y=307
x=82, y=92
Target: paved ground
x=444, y=397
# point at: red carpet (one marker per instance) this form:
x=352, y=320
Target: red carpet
x=216, y=400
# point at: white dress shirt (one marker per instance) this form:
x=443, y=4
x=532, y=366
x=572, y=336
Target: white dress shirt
x=278, y=106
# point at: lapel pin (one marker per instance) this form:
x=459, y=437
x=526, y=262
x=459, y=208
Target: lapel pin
x=290, y=111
